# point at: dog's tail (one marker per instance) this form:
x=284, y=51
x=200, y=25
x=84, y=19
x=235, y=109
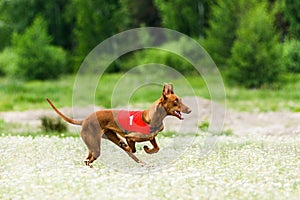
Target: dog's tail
x=67, y=119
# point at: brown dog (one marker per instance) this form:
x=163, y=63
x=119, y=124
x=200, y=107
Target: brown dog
x=132, y=126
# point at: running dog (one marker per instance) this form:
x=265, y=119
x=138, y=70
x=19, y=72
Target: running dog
x=125, y=128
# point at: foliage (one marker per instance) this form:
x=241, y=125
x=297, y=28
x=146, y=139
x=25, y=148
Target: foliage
x=161, y=56
x=292, y=15
x=93, y=24
x=20, y=95
x=224, y=22
x=157, y=56
x=256, y=51
x=148, y=17
x=191, y=18
x=50, y=124
x=8, y=61
x=15, y=16
x=291, y=56
x=204, y=126
x=77, y=26
x=37, y=59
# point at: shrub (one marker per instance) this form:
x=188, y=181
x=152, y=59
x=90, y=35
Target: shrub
x=256, y=51
x=291, y=56
x=37, y=58
x=8, y=62
x=160, y=56
x=223, y=23
x=53, y=124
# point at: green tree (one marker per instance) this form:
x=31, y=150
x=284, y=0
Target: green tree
x=224, y=21
x=58, y=26
x=292, y=15
x=186, y=16
x=141, y=13
x=256, y=52
x=95, y=21
x=37, y=58
x=15, y=16
x=291, y=56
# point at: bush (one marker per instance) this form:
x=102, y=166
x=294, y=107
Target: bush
x=53, y=124
x=160, y=56
x=8, y=62
x=37, y=59
x=256, y=52
x=291, y=56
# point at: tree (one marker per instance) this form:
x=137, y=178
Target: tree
x=292, y=15
x=221, y=33
x=95, y=21
x=15, y=16
x=37, y=58
x=186, y=16
x=291, y=56
x=256, y=52
x=141, y=13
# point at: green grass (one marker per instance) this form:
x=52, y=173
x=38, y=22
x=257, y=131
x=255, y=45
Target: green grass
x=19, y=95
x=205, y=125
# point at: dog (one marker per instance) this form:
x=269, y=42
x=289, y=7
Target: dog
x=125, y=128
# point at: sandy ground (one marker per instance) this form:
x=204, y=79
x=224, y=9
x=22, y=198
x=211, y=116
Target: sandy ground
x=239, y=123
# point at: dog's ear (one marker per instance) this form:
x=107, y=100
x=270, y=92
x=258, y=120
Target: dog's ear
x=168, y=89
x=171, y=88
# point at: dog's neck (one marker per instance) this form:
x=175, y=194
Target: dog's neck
x=155, y=114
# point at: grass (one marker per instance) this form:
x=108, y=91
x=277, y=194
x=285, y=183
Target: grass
x=204, y=125
x=18, y=95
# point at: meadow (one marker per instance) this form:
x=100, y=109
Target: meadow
x=19, y=95
x=256, y=167
x=36, y=165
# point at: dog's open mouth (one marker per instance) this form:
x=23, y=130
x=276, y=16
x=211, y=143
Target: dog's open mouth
x=178, y=114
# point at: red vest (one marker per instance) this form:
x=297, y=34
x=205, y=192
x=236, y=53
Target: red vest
x=132, y=121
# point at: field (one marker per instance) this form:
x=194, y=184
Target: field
x=255, y=157
x=256, y=167
x=18, y=95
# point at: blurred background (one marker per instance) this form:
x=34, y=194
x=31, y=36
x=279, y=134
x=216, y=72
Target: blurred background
x=255, y=43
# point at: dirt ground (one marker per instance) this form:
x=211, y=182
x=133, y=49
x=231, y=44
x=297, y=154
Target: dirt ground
x=239, y=123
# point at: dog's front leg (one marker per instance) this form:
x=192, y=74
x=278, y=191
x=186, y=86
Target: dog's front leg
x=155, y=148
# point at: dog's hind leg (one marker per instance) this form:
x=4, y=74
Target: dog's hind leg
x=91, y=134
x=88, y=158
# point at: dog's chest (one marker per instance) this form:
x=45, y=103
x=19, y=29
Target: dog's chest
x=132, y=121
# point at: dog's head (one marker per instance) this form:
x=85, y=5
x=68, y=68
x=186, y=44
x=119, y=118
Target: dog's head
x=172, y=103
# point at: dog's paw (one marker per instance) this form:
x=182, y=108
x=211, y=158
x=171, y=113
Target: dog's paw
x=150, y=151
x=143, y=164
x=146, y=148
